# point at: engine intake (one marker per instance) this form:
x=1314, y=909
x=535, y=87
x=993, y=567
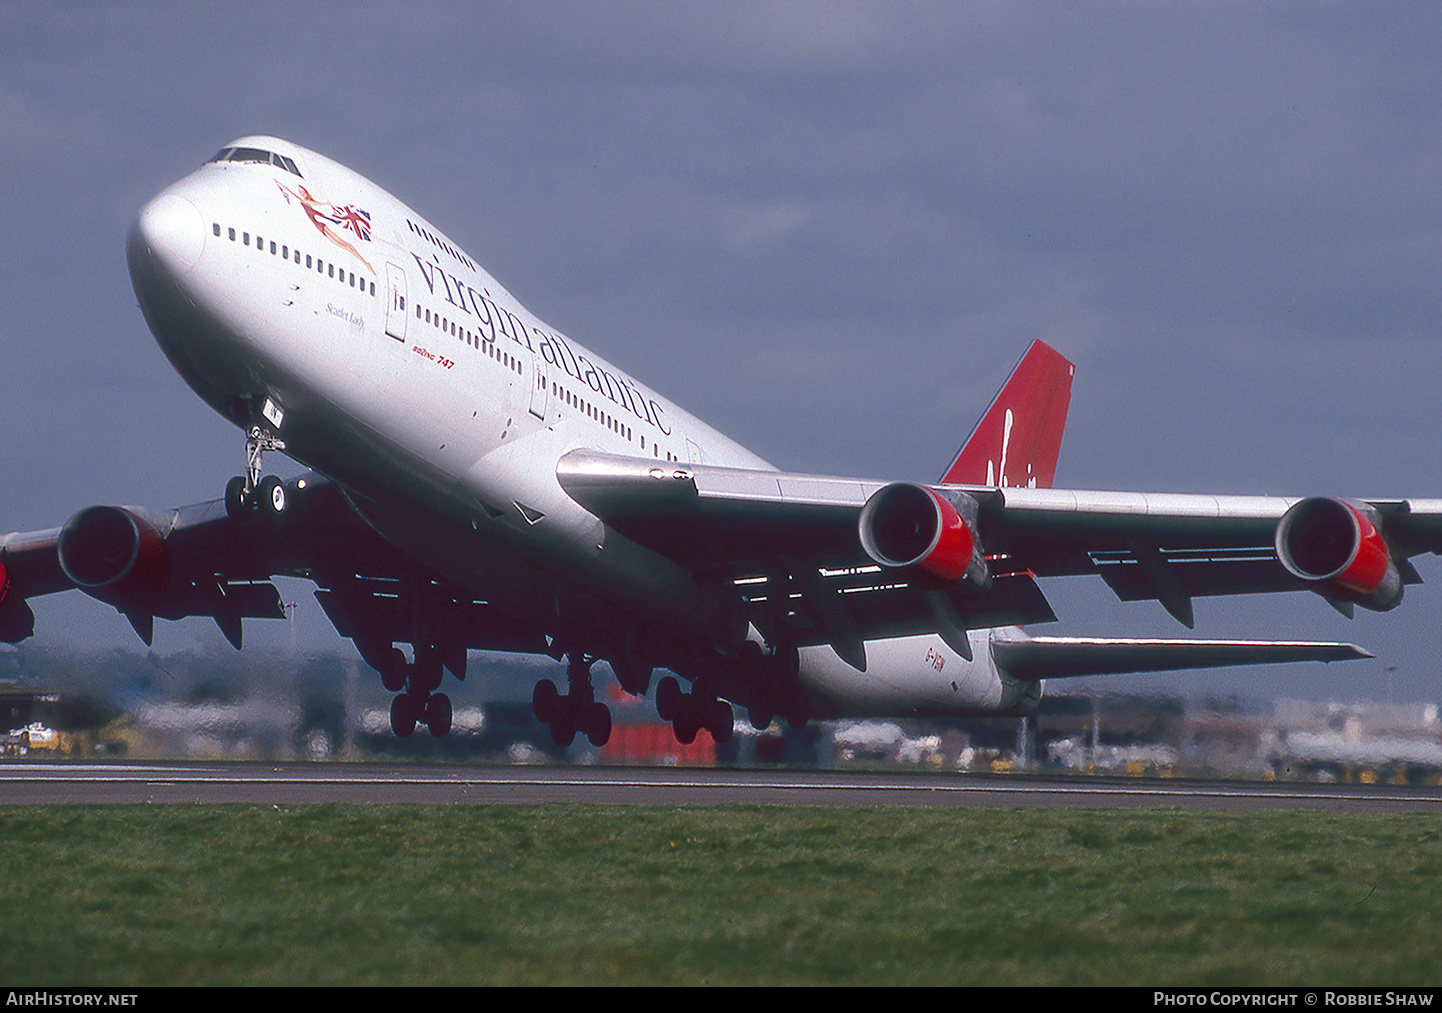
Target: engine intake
x=905, y=525
x=109, y=547
x=1339, y=546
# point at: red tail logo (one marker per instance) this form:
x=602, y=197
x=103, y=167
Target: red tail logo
x=1018, y=440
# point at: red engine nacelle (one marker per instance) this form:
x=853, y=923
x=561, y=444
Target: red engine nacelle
x=1340, y=545
x=913, y=526
x=107, y=550
x=4, y=582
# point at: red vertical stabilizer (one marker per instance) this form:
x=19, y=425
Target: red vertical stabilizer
x=1018, y=440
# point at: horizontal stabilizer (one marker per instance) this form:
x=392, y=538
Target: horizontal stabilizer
x=1031, y=658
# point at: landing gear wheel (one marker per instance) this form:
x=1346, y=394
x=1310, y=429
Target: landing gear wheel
x=685, y=726
x=760, y=717
x=598, y=724
x=563, y=729
x=270, y=494
x=393, y=672
x=438, y=714
x=403, y=716
x=720, y=722
x=236, y=501
x=545, y=701
x=669, y=699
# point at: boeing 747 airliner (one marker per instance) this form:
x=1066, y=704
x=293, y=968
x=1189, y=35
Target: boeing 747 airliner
x=480, y=481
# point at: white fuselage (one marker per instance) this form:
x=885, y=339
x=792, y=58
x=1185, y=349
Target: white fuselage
x=387, y=360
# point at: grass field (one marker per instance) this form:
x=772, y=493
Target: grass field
x=585, y=895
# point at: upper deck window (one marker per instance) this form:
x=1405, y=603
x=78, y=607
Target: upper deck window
x=256, y=155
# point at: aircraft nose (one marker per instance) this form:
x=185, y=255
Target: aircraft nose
x=173, y=230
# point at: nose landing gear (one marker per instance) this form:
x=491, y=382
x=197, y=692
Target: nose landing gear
x=248, y=492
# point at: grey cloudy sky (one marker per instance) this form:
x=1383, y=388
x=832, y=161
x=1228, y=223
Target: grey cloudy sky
x=829, y=230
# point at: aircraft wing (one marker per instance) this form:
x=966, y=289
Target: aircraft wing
x=185, y=562
x=951, y=546
x=199, y=561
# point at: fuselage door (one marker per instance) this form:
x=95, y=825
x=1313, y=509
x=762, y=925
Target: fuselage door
x=540, y=386
x=395, y=302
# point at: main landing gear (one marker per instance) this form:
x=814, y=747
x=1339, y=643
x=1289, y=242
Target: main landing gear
x=769, y=684
x=415, y=684
x=250, y=492
x=765, y=682
x=691, y=712
x=578, y=710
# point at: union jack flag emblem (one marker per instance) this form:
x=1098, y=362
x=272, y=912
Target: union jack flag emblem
x=353, y=218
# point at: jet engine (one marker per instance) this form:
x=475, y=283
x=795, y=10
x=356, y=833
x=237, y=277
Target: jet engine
x=1339, y=546
x=17, y=621
x=107, y=550
x=907, y=525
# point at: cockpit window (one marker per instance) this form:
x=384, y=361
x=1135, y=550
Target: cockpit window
x=256, y=155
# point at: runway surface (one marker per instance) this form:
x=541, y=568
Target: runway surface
x=47, y=783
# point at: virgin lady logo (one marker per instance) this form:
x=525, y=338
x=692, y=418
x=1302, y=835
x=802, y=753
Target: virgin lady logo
x=332, y=220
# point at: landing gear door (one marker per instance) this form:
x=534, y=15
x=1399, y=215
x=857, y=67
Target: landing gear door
x=395, y=302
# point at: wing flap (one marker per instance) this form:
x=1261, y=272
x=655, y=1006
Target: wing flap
x=879, y=607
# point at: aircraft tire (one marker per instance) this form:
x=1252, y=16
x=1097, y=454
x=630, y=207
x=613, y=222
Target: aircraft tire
x=720, y=721
x=563, y=728
x=236, y=502
x=685, y=730
x=786, y=662
x=393, y=672
x=545, y=701
x=403, y=716
x=598, y=724
x=439, y=714
x=669, y=699
x=270, y=494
